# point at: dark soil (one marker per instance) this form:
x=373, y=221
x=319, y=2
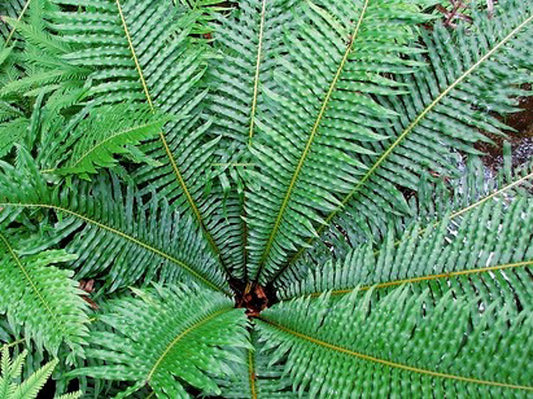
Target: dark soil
x=521, y=139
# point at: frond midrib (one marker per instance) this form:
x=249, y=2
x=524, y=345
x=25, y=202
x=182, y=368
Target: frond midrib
x=307, y=148
x=389, y=363
x=455, y=214
x=400, y=138
x=429, y=277
x=257, y=71
x=126, y=236
x=252, y=374
x=102, y=143
x=12, y=31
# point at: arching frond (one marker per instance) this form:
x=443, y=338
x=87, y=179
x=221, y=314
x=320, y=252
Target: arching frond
x=470, y=73
x=41, y=298
x=399, y=346
x=433, y=203
x=117, y=232
x=306, y=142
x=168, y=337
x=493, y=242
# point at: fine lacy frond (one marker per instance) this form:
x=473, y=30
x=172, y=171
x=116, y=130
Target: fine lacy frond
x=13, y=129
x=41, y=298
x=403, y=347
x=168, y=337
x=102, y=133
x=306, y=144
x=11, y=371
x=45, y=69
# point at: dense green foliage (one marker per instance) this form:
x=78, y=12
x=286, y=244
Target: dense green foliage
x=263, y=199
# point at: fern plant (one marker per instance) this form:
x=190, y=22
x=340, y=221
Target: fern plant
x=264, y=198
x=29, y=389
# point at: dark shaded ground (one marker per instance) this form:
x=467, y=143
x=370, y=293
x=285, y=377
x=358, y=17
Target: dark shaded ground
x=521, y=139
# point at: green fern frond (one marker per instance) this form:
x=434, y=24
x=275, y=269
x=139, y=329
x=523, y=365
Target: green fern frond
x=434, y=202
x=29, y=389
x=306, y=144
x=168, y=337
x=256, y=377
x=12, y=132
x=11, y=371
x=42, y=298
x=472, y=71
x=401, y=345
x=102, y=133
x=120, y=233
x=146, y=50
x=14, y=9
x=265, y=198
x=248, y=41
x=493, y=241
x=45, y=67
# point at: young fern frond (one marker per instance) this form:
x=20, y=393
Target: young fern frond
x=168, y=337
x=448, y=103
x=11, y=370
x=104, y=132
x=46, y=69
x=42, y=298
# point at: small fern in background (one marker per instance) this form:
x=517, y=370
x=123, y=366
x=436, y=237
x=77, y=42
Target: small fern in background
x=28, y=389
x=264, y=198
